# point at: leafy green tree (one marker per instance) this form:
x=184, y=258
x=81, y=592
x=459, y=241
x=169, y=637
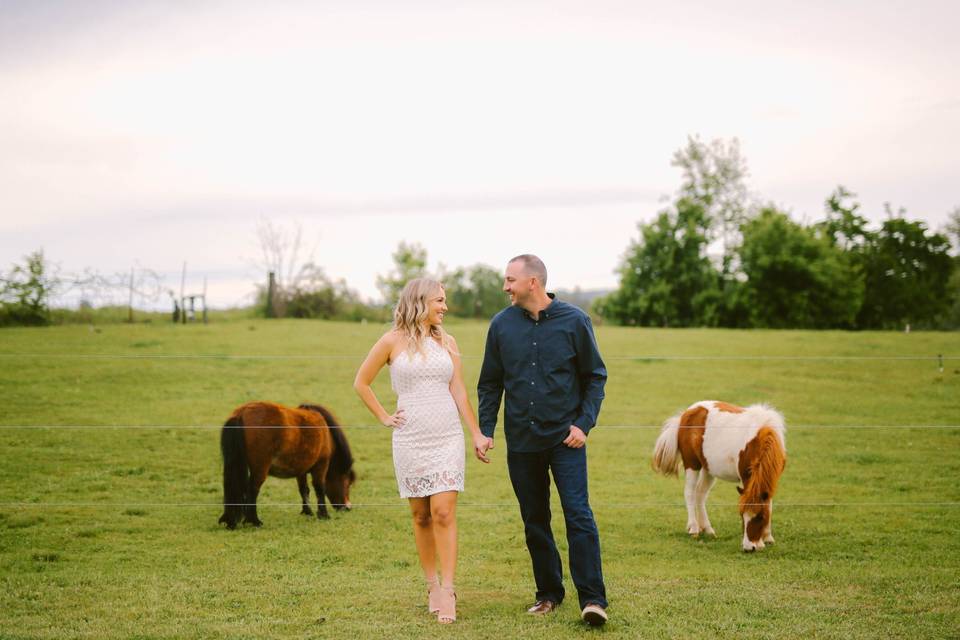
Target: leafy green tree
x=666, y=278
x=952, y=318
x=796, y=277
x=907, y=270
x=714, y=177
x=845, y=227
x=317, y=296
x=952, y=230
x=475, y=292
x=410, y=261
x=26, y=291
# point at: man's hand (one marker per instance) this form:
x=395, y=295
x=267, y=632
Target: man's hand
x=576, y=439
x=482, y=444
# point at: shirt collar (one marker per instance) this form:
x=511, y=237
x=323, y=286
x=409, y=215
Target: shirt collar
x=545, y=313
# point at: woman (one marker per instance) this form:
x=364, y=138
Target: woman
x=428, y=451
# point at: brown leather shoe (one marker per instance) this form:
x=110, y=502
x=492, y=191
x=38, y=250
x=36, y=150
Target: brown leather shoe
x=541, y=607
x=593, y=614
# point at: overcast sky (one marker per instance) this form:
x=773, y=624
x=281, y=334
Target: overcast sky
x=152, y=133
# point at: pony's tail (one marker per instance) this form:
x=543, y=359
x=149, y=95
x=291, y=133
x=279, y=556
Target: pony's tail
x=666, y=455
x=330, y=419
x=342, y=461
x=236, y=472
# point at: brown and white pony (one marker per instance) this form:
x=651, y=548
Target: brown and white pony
x=719, y=440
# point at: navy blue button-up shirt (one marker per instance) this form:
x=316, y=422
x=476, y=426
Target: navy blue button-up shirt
x=550, y=369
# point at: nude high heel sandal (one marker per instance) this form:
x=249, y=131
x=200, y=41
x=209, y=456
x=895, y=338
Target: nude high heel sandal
x=433, y=595
x=448, y=606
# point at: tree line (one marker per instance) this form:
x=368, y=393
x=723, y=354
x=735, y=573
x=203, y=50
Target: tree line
x=28, y=292
x=472, y=292
x=714, y=257
x=769, y=271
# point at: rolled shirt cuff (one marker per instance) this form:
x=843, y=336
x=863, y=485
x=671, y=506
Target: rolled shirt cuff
x=584, y=424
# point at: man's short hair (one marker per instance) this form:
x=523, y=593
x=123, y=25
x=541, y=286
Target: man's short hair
x=533, y=266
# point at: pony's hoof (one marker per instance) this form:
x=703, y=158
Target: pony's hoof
x=710, y=532
x=306, y=512
x=323, y=516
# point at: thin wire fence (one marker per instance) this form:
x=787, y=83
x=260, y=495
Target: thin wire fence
x=479, y=505
x=376, y=426
x=358, y=357
x=939, y=359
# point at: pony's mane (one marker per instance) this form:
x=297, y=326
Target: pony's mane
x=766, y=468
x=342, y=460
x=768, y=417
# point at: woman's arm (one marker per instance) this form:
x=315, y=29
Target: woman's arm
x=379, y=355
x=458, y=390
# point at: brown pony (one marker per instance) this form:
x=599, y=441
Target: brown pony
x=262, y=438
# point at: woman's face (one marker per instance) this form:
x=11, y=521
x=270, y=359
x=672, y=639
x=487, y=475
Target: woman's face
x=436, y=308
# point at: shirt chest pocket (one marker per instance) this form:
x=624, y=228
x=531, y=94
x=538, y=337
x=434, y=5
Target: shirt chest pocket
x=559, y=361
x=516, y=356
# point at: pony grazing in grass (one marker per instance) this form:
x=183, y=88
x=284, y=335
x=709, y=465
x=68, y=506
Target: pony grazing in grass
x=262, y=438
x=719, y=440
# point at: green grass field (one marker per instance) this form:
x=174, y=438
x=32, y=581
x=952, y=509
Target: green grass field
x=112, y=532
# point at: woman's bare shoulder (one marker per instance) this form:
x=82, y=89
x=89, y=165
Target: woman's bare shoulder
x=394, y=340
x=393, y=336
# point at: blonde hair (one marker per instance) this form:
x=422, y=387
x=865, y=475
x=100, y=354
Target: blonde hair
x=410, y=315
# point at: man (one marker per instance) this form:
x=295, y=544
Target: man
x=542, y=355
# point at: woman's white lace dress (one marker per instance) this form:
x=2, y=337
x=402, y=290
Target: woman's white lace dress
x=428, y=450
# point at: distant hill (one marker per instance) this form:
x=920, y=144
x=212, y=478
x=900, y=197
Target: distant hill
x=581, y=297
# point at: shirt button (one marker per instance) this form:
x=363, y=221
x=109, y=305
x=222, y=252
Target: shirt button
x=533, y=364
x=534, y=344
x=532, y=382
x=531, y=404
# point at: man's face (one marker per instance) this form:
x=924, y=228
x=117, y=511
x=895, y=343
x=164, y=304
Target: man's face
x=517, y=283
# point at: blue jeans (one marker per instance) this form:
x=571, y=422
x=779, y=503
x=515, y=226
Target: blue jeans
x=531, y=483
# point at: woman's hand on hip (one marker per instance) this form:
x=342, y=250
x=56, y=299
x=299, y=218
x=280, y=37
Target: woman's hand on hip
x=396, y=421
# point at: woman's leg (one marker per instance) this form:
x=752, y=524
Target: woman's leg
x=423, y=536
x=443, y=513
